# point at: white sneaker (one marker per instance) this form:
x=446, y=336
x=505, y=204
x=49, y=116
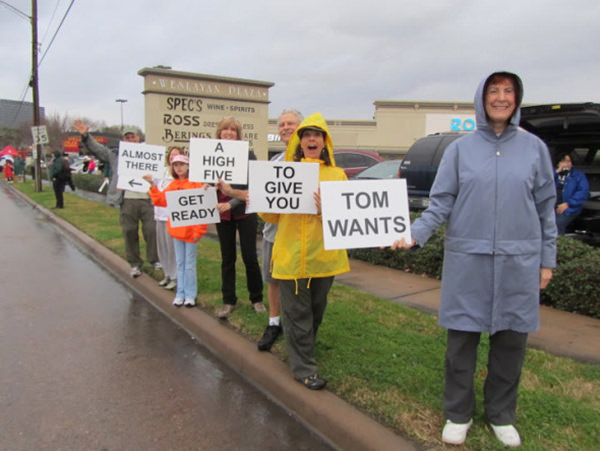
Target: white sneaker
x=163, y=282
x=189, y=302
x=171, y=285
x=178, y=302
x=508, y=435
x=455, y=433
x=135, y=272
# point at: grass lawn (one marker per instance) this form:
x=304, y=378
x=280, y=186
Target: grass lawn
x=387, y=359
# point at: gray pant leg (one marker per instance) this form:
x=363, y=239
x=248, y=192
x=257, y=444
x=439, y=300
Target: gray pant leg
x=461, y=358
x=146, y=215
x=505, y=362
x=129, y=225
x=302, y=310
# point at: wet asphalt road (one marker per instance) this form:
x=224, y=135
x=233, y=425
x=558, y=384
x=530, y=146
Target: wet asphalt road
x=84, y=365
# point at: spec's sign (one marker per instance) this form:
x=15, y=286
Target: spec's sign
x=137, y=160
x=282, y=187
x=365, y=213
x=188, y=207
x=214, y=159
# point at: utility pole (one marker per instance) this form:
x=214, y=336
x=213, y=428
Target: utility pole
x=34, y=86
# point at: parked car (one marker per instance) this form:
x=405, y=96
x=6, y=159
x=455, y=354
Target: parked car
x=573, y=128
x=389, y=169
x=420, y=164
x=354, y=161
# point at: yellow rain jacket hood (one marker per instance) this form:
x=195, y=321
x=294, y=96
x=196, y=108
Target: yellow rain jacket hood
x=315, y=120
x=298, y=252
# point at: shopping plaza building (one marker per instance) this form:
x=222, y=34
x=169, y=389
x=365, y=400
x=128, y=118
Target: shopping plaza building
x=180, y=106
x=395, y=127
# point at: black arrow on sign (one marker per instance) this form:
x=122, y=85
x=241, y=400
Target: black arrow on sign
x=133, y=182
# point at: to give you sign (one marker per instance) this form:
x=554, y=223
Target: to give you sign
x=282, y=187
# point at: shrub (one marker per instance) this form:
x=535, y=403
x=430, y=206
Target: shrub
x=575, y=285
x=88, y=182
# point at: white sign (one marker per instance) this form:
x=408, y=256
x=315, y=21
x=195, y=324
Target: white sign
x=214, y=159
x=282, y=187
x=188, y=207
x=40, y=135
x=137, y=160
x=364, y=213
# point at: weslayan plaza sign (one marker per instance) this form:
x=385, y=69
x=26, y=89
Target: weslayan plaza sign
x=181, y=106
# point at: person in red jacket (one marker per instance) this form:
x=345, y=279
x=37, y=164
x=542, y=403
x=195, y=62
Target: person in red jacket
x=185, y=239
x=9, y=171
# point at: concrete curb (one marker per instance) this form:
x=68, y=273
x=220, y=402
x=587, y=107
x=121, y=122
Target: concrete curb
x=339, y=423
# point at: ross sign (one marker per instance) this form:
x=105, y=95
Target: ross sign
x=40, y=135
x=364, y=213
x=214, y=159
x=137, y=160
x=282, y=187
x=188, y=207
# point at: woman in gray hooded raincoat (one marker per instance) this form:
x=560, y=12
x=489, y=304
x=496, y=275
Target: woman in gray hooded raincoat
x=494, y=189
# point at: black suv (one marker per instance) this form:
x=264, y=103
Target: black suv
x=573, y=128
x=420, y=165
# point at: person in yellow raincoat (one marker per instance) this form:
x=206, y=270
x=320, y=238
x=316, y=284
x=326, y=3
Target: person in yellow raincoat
x=300, y=262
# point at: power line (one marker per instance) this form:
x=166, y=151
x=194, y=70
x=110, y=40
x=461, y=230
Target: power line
x=15, y=10
x=56, y=32
x=50, y=21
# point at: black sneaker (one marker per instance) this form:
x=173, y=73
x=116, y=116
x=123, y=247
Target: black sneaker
x=269, y=336
x=313, y=382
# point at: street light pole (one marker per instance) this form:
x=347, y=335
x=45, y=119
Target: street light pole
x=121, y=101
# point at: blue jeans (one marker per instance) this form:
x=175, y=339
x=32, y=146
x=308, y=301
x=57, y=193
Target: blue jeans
x=563, y=221
x=187, y=280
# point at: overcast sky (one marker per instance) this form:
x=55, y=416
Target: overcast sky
x=332, y=56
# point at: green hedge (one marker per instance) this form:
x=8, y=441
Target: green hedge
x=575, y=285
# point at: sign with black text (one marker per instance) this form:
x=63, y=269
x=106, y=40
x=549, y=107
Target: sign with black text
x=364, y=213
x=214, y=159
x=137, y=160
x=282, y=187
x=188, y=207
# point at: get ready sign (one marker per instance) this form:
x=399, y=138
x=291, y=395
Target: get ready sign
x=192, y=207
